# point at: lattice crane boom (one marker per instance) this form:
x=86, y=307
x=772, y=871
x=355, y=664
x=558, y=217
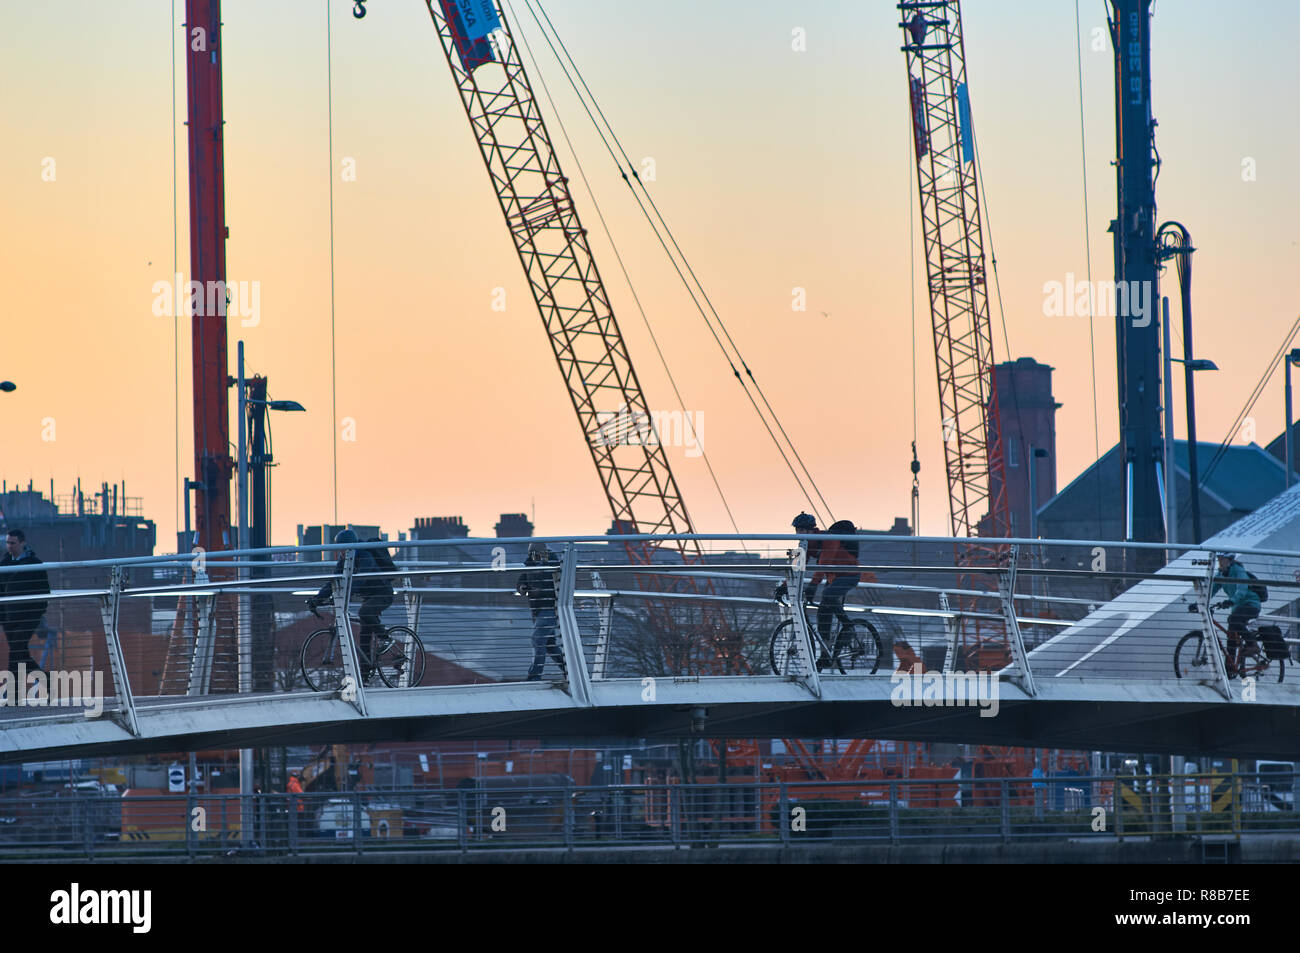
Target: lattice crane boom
x=561, y=272
x=954, y=253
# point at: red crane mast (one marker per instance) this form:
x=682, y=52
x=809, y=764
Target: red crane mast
x=208, y=233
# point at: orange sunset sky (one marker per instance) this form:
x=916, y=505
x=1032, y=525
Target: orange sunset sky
x=776, y=168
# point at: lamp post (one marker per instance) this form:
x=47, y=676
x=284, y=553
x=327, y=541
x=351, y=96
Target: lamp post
x=1190, y=367
x=1171, y=480
x=245, y=608
x=1035, y=453
x=1293, y=357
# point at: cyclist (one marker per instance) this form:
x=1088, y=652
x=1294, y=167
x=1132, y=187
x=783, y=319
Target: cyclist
x=1244, y=603
x=832, y=552
x=376, y=595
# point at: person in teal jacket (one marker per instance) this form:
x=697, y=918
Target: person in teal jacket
x=1242, y=600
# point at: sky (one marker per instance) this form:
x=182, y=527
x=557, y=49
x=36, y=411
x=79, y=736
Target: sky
x=777, y=168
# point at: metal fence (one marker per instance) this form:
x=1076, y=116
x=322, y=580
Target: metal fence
x=118, y=632
x=517, y=814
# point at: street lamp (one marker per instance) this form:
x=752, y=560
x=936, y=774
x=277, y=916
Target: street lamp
x=276, y=404
x=1190, y=367
x=245, y=609
x=1293, y=357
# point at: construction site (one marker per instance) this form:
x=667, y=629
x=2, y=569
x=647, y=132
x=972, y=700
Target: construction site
x=1015, y=582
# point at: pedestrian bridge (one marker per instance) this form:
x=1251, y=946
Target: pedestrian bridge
x=1062, y=644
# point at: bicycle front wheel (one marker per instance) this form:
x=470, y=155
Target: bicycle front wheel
x=400, y=658
x=784, y=652
x=322, y=661
x=1190, y=657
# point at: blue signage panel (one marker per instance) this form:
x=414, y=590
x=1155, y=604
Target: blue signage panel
x=470, y=22
x=963, y=123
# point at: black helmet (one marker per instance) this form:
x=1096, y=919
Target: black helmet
x=804, y=522
x=345, y=536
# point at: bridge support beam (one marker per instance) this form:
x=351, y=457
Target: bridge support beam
x=109, y=606
x=953, y=632
x=1007, y=590
x=570, y=637
x=204, y=641
x=412, y=601
x=798, y=564
x=354, y=689
x=1203, y=590
x=605, y=614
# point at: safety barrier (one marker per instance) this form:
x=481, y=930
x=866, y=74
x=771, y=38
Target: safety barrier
x=525, y=813
x=121, y=633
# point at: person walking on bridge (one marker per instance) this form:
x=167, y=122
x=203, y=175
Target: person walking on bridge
x=538, y=584
x=20, y=619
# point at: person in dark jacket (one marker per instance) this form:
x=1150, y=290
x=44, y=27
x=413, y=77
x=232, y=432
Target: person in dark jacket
x=538, y=585
x=376, y=595
x=21, y=618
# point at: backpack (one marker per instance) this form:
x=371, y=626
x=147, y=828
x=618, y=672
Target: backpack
x=383, y=559
x=1275, y=646
x=1261, y=590
x=844, y=527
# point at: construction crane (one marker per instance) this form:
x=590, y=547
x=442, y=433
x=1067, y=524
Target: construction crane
x=963, y=338
x=570, y=295
x=208, y=234
x=561, y=272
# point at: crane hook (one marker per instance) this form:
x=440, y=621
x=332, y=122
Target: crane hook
x=359, y=9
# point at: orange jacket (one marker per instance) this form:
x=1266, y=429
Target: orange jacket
x=831, y=553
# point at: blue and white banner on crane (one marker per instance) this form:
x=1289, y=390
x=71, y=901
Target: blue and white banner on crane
x=479, y=17
x=966, y=150
x=471, y=22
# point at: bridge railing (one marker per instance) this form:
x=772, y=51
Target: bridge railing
x=1035, y=612
x=518, y=813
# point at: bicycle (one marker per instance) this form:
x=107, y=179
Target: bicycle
x=856, y=653
x=1192, y=659
x=397, y=656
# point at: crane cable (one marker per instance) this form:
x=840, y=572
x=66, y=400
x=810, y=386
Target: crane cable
x=911, y=281
x=623, y=267
x=1269, y=370
x=673, y=261
x=987, y=227
x=334, y=413
x=601, y=132
x=1087, y=246
x=704, y=294
x=176, y=320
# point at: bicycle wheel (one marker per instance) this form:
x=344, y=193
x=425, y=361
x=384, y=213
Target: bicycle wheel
x=864, y=650
x=784, y=652
x=322, y=661
x=1190, y=657
x=1262, y=667
x=399, y=659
